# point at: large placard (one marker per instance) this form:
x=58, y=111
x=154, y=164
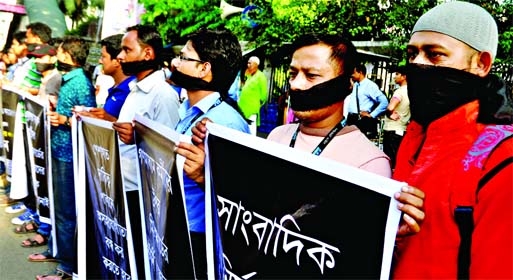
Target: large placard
x=105, y=248
x=38, y=133
x=285, y=213
x=166, y=237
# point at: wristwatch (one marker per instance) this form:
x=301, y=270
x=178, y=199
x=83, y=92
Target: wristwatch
x=66, y=123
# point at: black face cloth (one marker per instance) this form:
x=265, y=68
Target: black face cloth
x=435, y=91
x=321, y=95
x=41, y=67
x=65, y=67
x=189, y=82
x=134, y=67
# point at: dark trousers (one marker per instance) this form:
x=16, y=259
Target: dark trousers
x=367, y=125
x=391, y=142
x=199, y=251
x=134, y=210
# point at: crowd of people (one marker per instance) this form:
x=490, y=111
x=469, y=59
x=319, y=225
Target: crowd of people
x=448, y=130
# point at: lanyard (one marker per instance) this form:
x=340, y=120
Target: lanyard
x=218, y=101
x=327, y=139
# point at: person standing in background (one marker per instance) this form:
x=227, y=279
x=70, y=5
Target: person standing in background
x=253, y=94
x=397, y=116
x=366, y=104
x=28, y=78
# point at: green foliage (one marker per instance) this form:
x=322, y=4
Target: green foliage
x=177, y=18
x=281, y=21
x=75, y=9
x=82, y=29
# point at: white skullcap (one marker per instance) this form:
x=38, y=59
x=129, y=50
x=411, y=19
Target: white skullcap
x=464, y=21
x=254, y=59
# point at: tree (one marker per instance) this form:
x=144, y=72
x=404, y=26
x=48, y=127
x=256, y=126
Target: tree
x=281, y=21
x=175, y=19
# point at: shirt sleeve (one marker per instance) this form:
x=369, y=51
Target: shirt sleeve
x=382, y=104
x=53, y=86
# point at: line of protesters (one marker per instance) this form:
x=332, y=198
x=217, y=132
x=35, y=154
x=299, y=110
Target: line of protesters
x=456, y=155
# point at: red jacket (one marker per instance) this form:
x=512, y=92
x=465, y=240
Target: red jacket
x=432, y=160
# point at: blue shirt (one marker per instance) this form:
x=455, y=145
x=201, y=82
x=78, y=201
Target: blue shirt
x=117, y=96
x=76, y=89
x=222, y=114
x=368, y=94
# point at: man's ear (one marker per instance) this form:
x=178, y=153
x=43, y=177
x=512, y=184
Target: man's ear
x=149, y=53
x=484, y=63
x=69, y=59
x=206, y=69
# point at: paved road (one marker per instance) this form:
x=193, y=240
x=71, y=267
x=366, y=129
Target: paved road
x=13, y=257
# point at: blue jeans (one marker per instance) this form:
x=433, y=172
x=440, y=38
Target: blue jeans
x=65, y=214
x=44, y=229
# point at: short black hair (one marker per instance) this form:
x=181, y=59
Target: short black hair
x=20, y=36
x=77, y=48
x=343, y=52
x=401, y=69
x=149, y=35
x=112, y=44
x=222, y=49
x=41, y=30
x=360, y=68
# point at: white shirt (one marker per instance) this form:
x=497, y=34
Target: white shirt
x=154, y=99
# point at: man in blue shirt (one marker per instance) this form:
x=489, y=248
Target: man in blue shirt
x=111, y=47
x=366, y=103
x=206, y=68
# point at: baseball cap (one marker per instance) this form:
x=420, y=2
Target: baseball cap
x=42, y=50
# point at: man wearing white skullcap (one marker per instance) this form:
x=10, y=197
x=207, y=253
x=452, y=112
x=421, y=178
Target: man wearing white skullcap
x=458, y=149
x=253, y=94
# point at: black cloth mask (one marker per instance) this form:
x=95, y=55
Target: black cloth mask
x=435, y=91
x=133, y=67
x=189, y=82
x=321, y=95
x=65, y=67
x=42, y=67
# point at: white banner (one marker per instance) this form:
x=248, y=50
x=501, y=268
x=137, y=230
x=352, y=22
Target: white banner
x=120, y=14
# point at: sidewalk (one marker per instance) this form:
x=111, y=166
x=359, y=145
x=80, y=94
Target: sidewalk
x=13, y=260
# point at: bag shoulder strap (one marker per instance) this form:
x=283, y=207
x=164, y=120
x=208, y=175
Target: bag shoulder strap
x=488, y=140
x=357, y=85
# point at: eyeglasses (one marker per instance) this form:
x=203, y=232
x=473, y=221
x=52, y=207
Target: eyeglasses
x=181, y=57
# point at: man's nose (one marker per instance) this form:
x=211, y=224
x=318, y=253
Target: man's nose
x=421, y=58
x=121, y=56
x=298, y=83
